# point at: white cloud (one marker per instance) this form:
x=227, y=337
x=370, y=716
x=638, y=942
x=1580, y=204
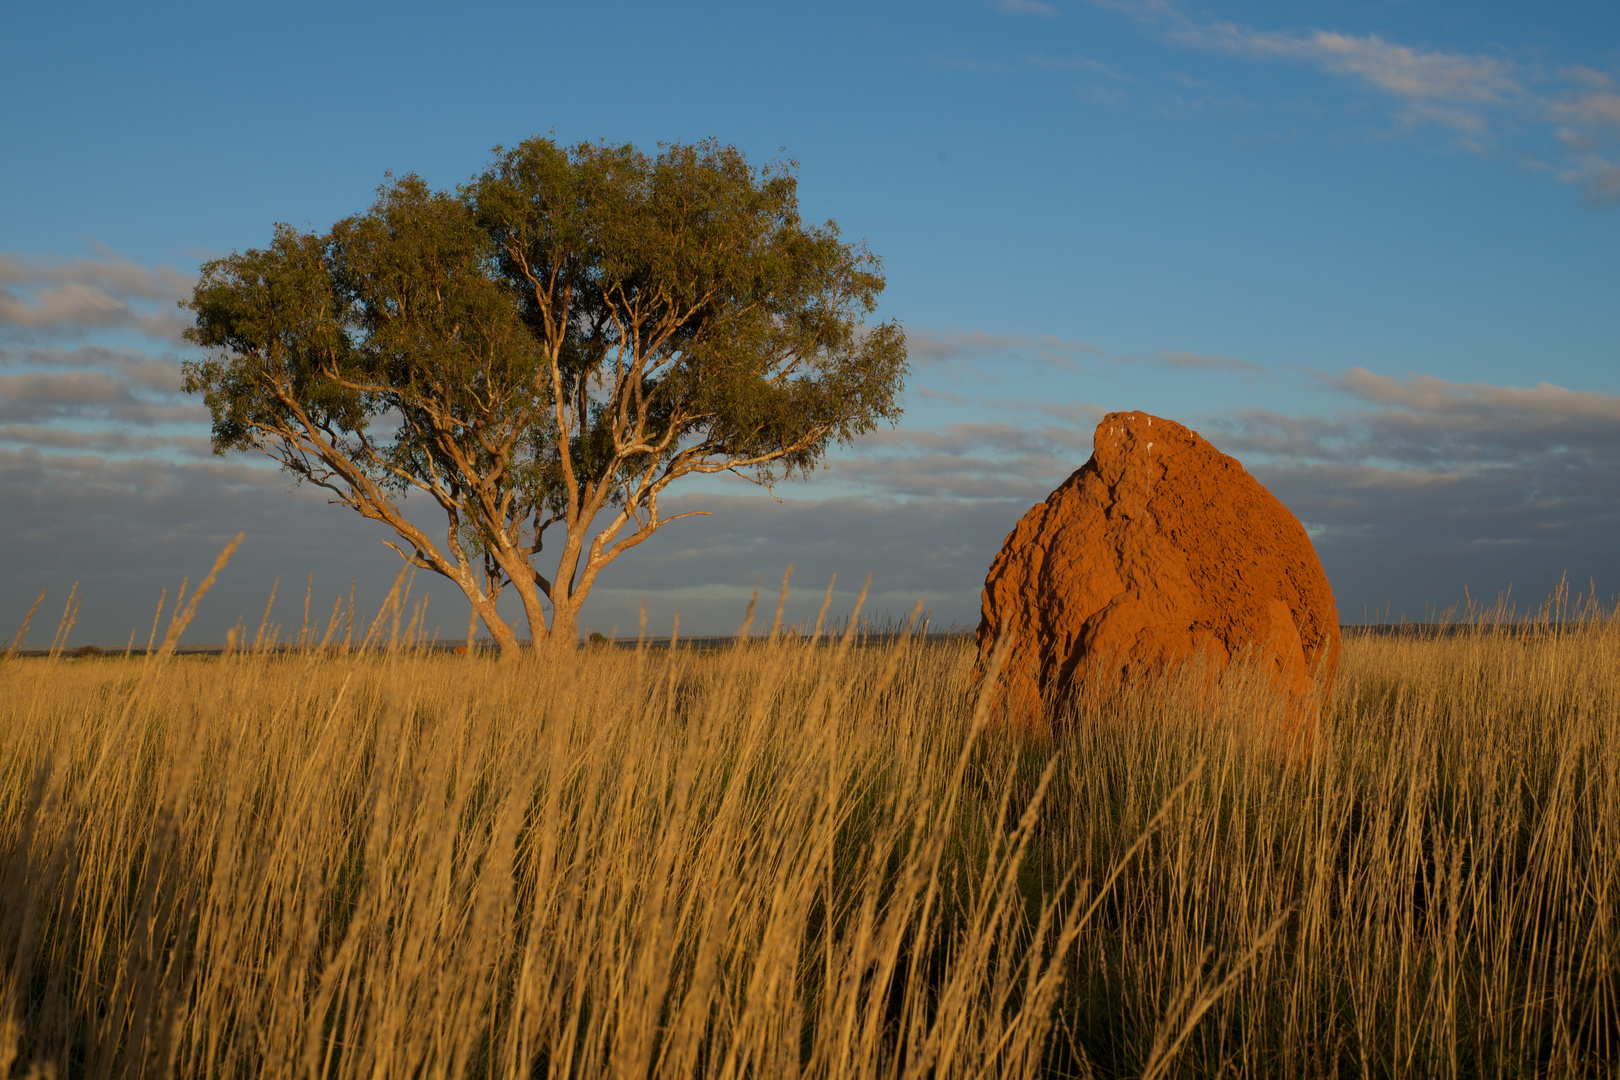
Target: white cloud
x=39, y=396
x=928, y=346
x=1476, y=401
x=110, y=271
x=1490, y=102
x=967, y=462
x=1398, y=70
x=1421, y=487
x=127, y=527
x=968, y=63
x=1527, y=460
x=1594, y=109
x=933, y=347
x=1024, y=7
x=1189, y=361
x=74, y=297
x=102, y=442
x=1097, y=83
x=1599, y=177
x=81, y=409
x=159, y=374
x=1416, y=476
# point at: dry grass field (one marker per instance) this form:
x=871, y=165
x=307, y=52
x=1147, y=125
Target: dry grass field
x=806, y=859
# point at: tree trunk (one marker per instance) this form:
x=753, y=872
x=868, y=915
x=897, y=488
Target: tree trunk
x=484, y=608
x=533, y=607
x=499, y=630
x=564, y=636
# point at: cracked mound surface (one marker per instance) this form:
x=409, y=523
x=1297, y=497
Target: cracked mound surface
x=1159, y=549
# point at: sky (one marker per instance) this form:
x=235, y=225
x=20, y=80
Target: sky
x=1370, y=248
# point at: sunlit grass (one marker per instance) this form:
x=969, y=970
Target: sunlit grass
x=807, y=859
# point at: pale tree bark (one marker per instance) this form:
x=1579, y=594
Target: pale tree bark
x=345, y=467
x=645, y=458
x=560, y=342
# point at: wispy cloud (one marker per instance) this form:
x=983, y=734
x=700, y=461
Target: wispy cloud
x=96, y=439
x=968, y=461
x=75, y=297
x=1398, y=70
x=928, y=346
x=157, y=373
x=1424, y=422
x=38, y=397
x=122, y=443
x=970, y=64
x=1419, y=488
x=1597, y=175
x=1421, y=441
x=1075, y=62
x=1479, y=402
x=1414, y=488
x=1489, y=101
x=1024, y=7
x=1095, y=82
x=107, y=270
x=1512, y=461
x=1188, y=361
x=76, y=378
x=935, y=347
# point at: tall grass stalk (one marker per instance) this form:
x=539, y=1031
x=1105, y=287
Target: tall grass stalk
x=797, y=858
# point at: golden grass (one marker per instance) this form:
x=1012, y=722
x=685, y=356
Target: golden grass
x=798, y=859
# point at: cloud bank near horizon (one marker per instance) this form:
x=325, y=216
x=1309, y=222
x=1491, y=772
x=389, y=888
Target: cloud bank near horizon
x=1413, y=487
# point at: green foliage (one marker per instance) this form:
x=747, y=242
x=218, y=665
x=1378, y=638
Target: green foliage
x=390, y=314
x=573, y=330
x=740, y=325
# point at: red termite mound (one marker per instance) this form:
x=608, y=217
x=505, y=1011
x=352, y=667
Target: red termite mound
x=1159, y=549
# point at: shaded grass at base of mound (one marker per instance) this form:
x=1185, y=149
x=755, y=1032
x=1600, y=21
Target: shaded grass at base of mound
x=785, y=860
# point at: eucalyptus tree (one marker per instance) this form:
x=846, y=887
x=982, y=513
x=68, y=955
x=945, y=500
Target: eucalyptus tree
x=549, y=347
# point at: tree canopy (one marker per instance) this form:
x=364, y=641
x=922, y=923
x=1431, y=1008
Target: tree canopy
x=549, y=346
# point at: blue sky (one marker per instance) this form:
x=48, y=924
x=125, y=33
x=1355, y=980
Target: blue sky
x=1371, y=249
